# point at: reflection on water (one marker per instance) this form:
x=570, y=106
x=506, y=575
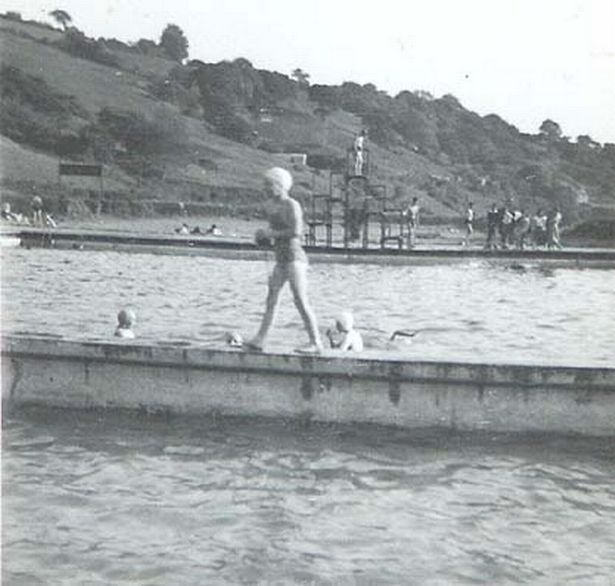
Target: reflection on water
x=117, y=498
x=471, y=311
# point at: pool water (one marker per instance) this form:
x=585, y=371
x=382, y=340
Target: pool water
x=112, y=497
x=117, y=498
x=469, y=311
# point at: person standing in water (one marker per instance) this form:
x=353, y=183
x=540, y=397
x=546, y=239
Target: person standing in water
x=126, y=320
x=345, y=337
x=291, y=264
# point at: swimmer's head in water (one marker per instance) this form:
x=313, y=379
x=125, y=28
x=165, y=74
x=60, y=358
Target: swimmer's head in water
x=278, y=181
x=234, y=339
x=344, y=321
x=126, y=318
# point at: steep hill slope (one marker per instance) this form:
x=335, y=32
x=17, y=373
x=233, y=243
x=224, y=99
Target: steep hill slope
x=204, y=133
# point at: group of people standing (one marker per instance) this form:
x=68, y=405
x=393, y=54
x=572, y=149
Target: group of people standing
x=507, y=228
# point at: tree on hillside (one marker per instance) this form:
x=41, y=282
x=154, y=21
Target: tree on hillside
x=174, y=43
x=147, y=47
x=586, y=141
x=326, y=95
x=61, y=17
x=550, y=130
x=302, y=78
x=424, y=95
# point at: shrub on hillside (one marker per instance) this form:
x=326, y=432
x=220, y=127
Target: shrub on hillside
x=177, y=88
x=76, y=43
x=232, y=91
x=235, y=128
x=327, y=96
x=34, y=91
x=139, y=134
x=32, y=113
x=149, y=47
x=21, y=123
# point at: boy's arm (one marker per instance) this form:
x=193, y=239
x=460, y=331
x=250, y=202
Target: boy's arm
x=331, y=338
x=346, y=343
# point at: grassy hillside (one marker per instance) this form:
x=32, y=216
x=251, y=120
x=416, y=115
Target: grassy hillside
x=204, y=159
x=204, y=133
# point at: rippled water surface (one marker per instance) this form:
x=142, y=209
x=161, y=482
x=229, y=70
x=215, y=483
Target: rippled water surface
x=102, y=498
x=112, y=498
x=475, y=310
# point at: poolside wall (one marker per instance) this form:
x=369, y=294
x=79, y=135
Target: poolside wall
x=372, y=389
x=244, y=250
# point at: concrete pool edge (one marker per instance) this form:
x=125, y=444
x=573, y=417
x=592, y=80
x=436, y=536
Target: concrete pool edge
x=62, y=239
x=370, y=388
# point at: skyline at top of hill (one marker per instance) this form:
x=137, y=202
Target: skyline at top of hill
x=168, y=127
x=524, y=61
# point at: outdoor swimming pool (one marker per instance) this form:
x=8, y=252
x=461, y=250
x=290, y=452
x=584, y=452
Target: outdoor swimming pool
x=464, y=311
x=100, y=497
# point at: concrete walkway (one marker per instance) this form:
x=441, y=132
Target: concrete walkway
x=225, y=248
x=372, y=387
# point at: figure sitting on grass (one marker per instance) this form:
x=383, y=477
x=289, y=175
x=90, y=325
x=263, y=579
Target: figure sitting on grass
x=126, y=320
x=345, y=337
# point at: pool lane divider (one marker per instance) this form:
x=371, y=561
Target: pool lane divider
x=372, y=387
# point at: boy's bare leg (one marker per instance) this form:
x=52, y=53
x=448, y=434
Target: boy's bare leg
x=276, y=282
x=297, y=276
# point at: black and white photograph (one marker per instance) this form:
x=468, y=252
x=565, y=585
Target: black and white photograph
x=307, y=292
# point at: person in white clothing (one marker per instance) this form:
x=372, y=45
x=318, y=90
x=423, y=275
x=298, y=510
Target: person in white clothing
x=412, y=220
x=359, y=147
x=345, y=337
x=469, y=223
x=126, y=320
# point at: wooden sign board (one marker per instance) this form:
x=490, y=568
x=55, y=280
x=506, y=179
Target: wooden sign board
x=82, y=170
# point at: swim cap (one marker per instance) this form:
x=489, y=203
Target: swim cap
x=280, y=177
x=345, y=321
x=126, y=318
x=234, y=339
